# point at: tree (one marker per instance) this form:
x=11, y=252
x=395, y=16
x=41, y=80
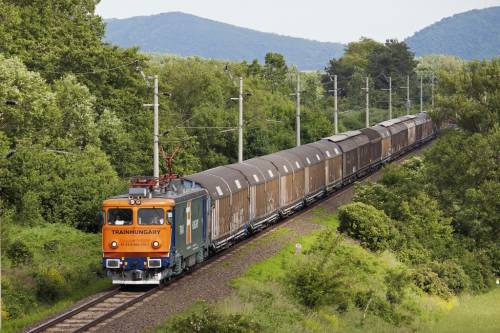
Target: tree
x=275, y=69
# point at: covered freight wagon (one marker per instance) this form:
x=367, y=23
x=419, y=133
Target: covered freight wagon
x=263, y=179
x=229, y=191
x=289, y=180
x=355, y=148
x=399, y=135
x=333, y=162
x=314, y=169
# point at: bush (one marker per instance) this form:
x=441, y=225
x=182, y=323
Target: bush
x=452, y=274
x=367, y=224
x=314, y=284
x=429, y=281
x=51, y=285
x=19, y=253
x=205, y=319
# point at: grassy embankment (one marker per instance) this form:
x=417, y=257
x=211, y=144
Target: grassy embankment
x=264, y=300
x=52, y=267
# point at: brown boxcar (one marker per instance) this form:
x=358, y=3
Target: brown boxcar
x=256, y=190
x=314, y=168
x=399, y=135
x=375, y=144
x=271, y=176
x=419, y=127
x=229, y=191
x=350, y=152
x=299, y=174
x=409, y=122
x=286, y=169
x=385, y=134
x=333, y=163
x=363, y=143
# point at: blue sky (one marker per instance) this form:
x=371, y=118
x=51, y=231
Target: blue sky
x=335, y=21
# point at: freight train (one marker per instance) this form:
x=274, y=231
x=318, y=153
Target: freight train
x=150, y=235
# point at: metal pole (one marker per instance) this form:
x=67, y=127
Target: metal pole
x=240, y=123
x=367, y=103
x=335, y=105
x=156, y=136
x=407, y=94
x=390, y=97
x=421, y=93
x=432, y=92
x=297, y=121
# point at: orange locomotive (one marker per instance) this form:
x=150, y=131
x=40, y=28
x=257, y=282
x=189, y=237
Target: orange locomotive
x=138, y=242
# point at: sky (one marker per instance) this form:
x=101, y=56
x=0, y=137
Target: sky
x=323, y=20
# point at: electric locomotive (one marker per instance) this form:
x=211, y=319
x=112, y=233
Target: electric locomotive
x=149, y=235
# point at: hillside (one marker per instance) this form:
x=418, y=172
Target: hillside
x=470, y=35
x=185, y=35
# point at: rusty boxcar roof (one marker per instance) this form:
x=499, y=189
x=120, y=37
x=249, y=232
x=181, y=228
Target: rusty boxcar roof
x=283, y=162
x=252, y=174
x=309, y=155
x=372, y=134
x=328, y=148
x=267, y=168
x=220, y=181
x=382, y=131
x=349, y=140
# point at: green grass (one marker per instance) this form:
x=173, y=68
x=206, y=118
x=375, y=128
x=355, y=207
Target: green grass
x=44, y=311
x=479, y=313
x=63, y=267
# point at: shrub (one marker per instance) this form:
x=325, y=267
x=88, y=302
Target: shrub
x=429, y=281
x=205, y=319
x=313, y=283
x=51, y=285
x=367, y=224
x=452, y=274
x=19, y=253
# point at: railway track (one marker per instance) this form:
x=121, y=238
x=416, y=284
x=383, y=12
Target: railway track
x=90, y=314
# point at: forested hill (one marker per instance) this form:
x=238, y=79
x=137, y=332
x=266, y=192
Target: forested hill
x=186, y=35
x=470, y=35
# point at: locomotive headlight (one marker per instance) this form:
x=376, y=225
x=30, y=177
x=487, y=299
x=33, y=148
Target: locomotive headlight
x=131, y=201
x=113, y=244
x=155, y=244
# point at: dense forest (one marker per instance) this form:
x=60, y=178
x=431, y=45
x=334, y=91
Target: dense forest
x=74, y=130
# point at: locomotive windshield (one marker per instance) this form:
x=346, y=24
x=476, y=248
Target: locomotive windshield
x=150, y=216
x=120, y=216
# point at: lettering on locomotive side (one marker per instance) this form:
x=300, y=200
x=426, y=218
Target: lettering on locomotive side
x=136, y=232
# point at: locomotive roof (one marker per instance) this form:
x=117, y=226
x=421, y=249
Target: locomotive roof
x=160, y=198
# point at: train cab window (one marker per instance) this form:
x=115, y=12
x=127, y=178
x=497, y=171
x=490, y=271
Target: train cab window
x=150, y=216
x=120, y=216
